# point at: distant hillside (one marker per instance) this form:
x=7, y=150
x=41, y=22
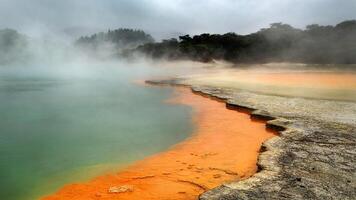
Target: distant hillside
x=277, y=43
x=118, y=39
x=13, y=46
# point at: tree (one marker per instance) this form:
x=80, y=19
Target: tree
x=278, y=43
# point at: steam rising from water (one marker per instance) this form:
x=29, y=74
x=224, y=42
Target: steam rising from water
x=64, y=113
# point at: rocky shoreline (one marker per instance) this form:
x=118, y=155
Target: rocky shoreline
x=314, y=157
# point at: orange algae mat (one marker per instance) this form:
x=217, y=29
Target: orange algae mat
x=224, y=147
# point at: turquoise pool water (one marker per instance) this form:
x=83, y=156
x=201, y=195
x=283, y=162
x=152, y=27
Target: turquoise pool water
x=68, y=125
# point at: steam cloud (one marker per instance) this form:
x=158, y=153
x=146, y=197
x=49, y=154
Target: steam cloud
x=49, y=28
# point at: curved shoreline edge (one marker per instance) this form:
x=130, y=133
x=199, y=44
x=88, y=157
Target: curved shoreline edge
x=223, y=147
x=314, y=157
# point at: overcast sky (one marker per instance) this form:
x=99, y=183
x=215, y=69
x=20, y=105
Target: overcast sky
x=163, y=18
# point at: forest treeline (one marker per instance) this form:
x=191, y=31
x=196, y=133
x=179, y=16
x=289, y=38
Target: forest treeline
x=121, y=38
x=17, y=48
x=277, y=43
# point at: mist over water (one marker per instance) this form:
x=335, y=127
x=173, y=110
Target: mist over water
x=66, y=117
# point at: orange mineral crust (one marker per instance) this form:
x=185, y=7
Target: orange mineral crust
x=224, y=147
x=318, y=80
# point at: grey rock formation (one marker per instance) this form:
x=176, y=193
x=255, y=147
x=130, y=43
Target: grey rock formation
x=313, y=158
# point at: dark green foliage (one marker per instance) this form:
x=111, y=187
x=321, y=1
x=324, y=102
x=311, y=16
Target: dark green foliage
x=278, y=43
x=120, y=38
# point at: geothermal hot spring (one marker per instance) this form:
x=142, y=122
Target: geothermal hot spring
x=68, y=123
x=93, y=124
